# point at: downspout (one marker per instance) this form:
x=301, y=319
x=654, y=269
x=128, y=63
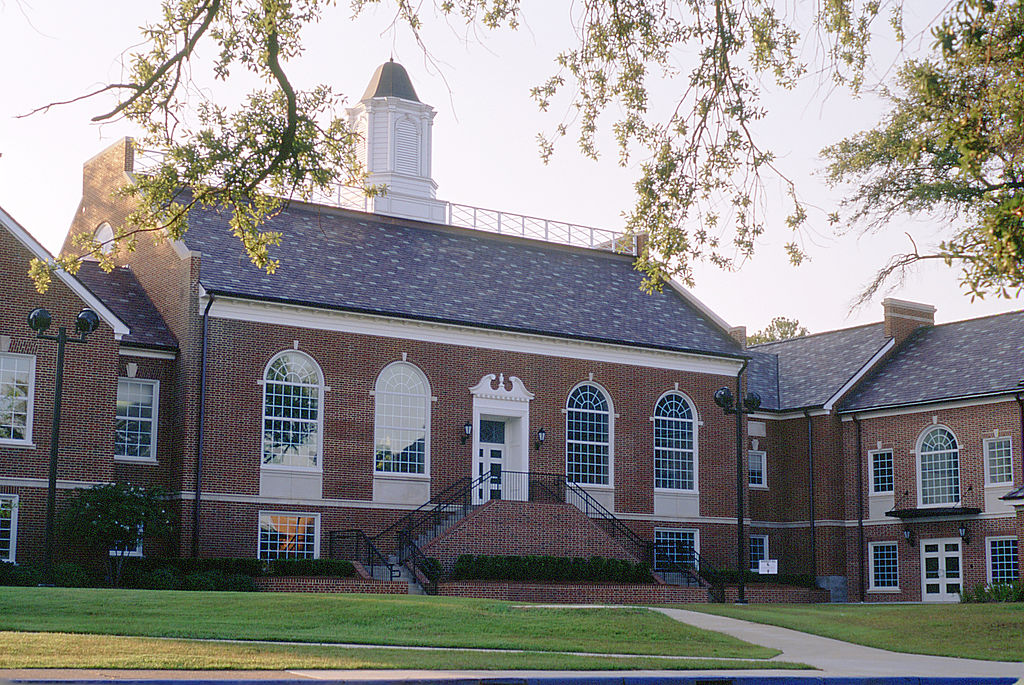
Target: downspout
x=1020, y=405
x=200, y=431
x=810, y=492
x=741, y=565
x=860, y=510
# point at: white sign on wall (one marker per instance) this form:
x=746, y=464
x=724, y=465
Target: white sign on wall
x=768, y=566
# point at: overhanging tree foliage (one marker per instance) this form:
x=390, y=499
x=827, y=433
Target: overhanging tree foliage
x=780, y=328
x=700, y=191
x=952, y=147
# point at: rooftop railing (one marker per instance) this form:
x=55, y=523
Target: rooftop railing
x=467, y=216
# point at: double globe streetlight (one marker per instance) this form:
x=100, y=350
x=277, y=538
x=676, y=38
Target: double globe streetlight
x=39, y=320
x=731, y=405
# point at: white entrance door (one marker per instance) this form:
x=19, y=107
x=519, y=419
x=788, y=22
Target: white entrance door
x=941, y=570
x=490, y=459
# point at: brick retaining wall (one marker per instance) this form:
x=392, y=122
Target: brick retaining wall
x=579, y=593
x=328, y=584
x=768, y=593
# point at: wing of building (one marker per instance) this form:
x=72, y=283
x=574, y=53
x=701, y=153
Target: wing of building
x=432, y=379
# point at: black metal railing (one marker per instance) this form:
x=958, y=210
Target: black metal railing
x=436, y=516
x=678, y=557
x=355, y=545
x=425, y=571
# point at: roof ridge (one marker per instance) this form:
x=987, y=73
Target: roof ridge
x=815, y=335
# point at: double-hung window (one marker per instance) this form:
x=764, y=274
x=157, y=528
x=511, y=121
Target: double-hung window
x=1002, y=560
x=758, y=551
x=136, y=419
x=881, y=472
x=757, y=467
x=885, y=566
x=674, y=547
x=17, y=383
x=998, y=461
x=8, y=527
x=286, y=535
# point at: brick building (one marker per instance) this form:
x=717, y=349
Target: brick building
x=403, y=357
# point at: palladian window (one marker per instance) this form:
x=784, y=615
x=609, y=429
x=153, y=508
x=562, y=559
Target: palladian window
x=292, y=394
x=401, y=420
x=588, y=435
x=940, y=467
x=674, y=443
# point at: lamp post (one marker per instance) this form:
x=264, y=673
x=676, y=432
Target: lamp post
x=39, y=321
x=731, y=405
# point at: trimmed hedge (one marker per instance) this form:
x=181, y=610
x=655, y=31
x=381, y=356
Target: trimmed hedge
x=731, y=577
x=1000, y=592
x=545, y=568
x=223, y=574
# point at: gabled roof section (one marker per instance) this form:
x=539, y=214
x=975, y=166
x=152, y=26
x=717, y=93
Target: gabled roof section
x=89, y=298
x=811, y=369
x=365, y=263
x=949, y=361
x=122, y=293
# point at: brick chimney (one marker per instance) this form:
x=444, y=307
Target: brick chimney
x=739, y=334
x=902, y=318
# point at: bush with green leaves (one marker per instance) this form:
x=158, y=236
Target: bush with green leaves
x=21, y=575
x=549, y=569
x=999, y=592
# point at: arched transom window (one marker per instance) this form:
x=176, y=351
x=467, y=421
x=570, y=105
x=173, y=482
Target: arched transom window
x=401, y=420
x=587, y=435
x=674, y=443
x=292, y=394
x=940, y=467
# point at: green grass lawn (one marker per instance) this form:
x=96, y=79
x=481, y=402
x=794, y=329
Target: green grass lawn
x=363, y=619
x=61, y=650
x=975, y=631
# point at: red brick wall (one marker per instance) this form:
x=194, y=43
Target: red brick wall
x=768, y=593
x=507, y=528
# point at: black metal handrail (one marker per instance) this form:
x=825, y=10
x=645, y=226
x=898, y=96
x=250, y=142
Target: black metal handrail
x=354, y=545
x=689, y=562
x=421, y=567
x=643, y=549
x=438, y=515
x=406, y=521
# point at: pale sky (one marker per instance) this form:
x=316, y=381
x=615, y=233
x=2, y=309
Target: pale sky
x=485, y=150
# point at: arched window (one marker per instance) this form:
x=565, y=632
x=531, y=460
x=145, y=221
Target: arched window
x=939, y=459
x=292, y=394
x=104, y=235
x=401, y=420
x=674, y=443
x=588, y=435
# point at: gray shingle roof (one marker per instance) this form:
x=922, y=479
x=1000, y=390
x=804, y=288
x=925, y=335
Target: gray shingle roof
x=361, y=262
x=964, y=358
x=122, y=293
x=812, y=368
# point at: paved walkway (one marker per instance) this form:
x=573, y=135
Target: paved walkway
x=835, y=657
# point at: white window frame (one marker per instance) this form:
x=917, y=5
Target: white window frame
x=892, y=463
x=155, y=429
x=988, y=471
x=611, y=435
x=428, y=403
x=763, y=485
x=297, y=514
x=988, y=554
x=27, y=442
x=694, y=531
x=959, y=479
x=873, y=586
x=695, y=421
x=322, y=387
x=12, y=556
x=135, y=551
x=767, y=553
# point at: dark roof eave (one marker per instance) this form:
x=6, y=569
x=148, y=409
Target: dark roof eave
x=914, y=513
x=149, y=346
x=1015, y=391
x=471, y=324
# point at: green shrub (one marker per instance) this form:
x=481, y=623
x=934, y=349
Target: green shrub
x=309, y=567
x=432, y=569
x=163, y=579
x=1000, y=592
x=74, y=575
x=19, y=575
x=549, y=569
x=203, y=580
x=731, y=576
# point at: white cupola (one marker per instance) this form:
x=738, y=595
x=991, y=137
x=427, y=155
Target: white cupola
x=396, y=147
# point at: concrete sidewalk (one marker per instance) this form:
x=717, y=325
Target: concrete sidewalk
x=837, y=658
